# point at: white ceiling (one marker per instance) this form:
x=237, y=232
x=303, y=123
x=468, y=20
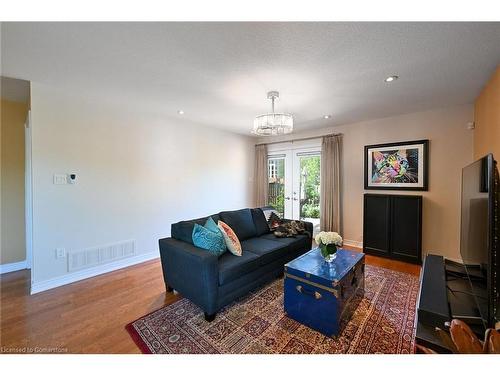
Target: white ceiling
x=219, y=73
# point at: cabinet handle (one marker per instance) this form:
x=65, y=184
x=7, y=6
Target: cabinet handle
x=316, y=295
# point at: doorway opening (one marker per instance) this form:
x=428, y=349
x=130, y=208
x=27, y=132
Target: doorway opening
x=294, y=173
x=15, y=181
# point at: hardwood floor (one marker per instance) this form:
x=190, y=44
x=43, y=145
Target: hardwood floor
x=89, y=316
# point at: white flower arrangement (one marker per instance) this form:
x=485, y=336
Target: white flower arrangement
x=328, y=243
x=328, y=238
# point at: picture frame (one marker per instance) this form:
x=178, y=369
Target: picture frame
x=397, y=166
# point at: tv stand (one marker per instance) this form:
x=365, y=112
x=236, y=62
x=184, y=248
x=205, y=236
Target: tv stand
x=445, y=294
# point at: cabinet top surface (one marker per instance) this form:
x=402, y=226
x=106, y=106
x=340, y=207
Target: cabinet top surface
x=312, y=263
x=381, y=195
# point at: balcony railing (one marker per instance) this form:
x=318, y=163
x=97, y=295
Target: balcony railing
x=276, y=196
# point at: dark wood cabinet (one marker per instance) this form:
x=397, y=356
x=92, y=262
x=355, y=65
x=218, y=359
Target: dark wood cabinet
x=375, y=228
x=392, y=226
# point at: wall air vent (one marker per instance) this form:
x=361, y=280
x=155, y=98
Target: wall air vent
x=94, y=256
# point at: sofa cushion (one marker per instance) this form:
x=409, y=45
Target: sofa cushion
x=183, y=230
x=241, y=222
x=267, y=250
x=295, y=243
x=231, y=267
x=260, y=221
x=240, y=286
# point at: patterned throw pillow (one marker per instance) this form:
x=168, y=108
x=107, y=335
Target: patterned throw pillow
x=274, y=221
x=209, y=237
x=232, y=241
x=267, y=211
x=273, y=218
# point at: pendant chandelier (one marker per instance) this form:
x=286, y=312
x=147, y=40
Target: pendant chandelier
x=273, y=123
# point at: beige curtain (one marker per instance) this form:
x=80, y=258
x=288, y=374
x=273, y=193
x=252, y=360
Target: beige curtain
x=331, y=153
x=261, y=176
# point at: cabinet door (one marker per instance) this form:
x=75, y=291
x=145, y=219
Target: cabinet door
x=406, y=228
x=376, y=224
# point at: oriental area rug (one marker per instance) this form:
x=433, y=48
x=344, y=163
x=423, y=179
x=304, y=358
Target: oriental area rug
x=383, y=322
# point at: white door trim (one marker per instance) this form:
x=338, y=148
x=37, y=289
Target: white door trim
x=28, y=192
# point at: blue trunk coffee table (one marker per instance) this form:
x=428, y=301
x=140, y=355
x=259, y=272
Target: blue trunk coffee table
x=320, y=294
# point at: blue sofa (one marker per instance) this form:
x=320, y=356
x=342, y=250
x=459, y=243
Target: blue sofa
x=212, y=282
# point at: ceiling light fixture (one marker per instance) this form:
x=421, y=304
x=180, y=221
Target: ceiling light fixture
x=326, y=117
x=391, y=79
x=273, y=123
x=180, y=112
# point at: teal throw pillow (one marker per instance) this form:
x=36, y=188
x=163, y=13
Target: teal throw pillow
x=209, y=237
x=212, y=225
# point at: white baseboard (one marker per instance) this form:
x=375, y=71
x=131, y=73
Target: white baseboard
x=41, y=286
x=352, y=243
x=11, y=267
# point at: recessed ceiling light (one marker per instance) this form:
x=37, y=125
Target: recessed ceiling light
x=326, y=117
x=180, y=112
x=391, y=78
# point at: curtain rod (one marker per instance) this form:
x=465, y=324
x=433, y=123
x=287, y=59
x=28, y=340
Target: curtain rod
x=297, y=139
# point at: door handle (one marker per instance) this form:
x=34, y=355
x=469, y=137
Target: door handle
x=295, y=199
x=287, y=198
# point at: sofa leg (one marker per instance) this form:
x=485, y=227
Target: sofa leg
x=169, y=288
x=209, y=317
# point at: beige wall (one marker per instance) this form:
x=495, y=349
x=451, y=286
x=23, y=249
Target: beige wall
x=138, y=171
x=450, y=150
x=487, y=119
x=13, y=116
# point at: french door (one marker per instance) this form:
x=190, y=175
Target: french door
x=294, y=183
x=280, y=182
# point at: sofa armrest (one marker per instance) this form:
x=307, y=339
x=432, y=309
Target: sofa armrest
x=191, y=271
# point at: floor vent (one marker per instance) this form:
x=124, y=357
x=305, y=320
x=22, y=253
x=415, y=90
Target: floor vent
x=94, y=256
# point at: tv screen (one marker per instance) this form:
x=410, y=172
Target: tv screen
x=479, y=234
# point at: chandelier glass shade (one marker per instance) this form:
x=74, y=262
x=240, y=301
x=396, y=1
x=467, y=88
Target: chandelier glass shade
x=273, y=123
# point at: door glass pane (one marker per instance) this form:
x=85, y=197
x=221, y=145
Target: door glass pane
x=310, y=188
x=276, y=192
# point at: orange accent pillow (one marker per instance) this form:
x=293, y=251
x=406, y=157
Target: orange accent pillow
x=232, y=241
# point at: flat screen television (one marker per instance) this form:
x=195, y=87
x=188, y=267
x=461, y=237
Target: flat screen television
x=479, y=236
